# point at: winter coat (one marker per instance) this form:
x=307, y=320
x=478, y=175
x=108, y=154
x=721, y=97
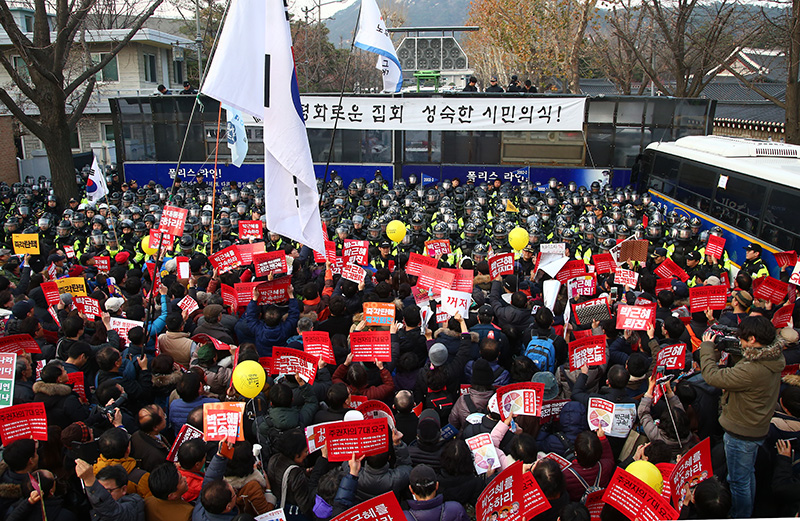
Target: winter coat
x=63, y=406
x=436, y=509
x=750, y=388
x=574, y=487
x=167, y=510
x=285, y=418
x=573, y=420
x=374, y=482
x=301, y=488
x=10, y=487
x=23, y=392
x=413, y=341
x=508, y=315
x=381, y=392
x=503, y=376
x=138, y=479
x=216, y=330
x=786, y=488
x=250, y=498
x=163, y=385
x=452, y=340
x=195, y=483
x=267, y=337
x=54, y=506
x=217, y=377
x=461, y=409
x=454, y=369
x=464, y=489
x=426, y=454
x=179, y=410
x=149, y=451
x=216, y=469
x=178, y=345
x=656, y=432
x=130, y=507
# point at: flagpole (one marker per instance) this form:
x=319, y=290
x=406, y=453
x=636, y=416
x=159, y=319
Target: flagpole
x=341, y=95
x=214, y=196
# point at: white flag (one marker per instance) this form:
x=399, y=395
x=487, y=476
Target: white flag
x=373, y=37
x=256, y=33
x=96, y=187
x=236, y=134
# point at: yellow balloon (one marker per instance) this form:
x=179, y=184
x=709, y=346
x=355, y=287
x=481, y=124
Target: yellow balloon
x=648, y=473
x=396, y=230
x=518, y=238
x=146, y=246
x=249, y=378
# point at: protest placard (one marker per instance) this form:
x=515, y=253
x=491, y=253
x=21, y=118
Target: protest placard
x=715, y=246
x=368, y=346
x=102, y=263
x=604, y=263
x=615, y=419
x=230, y=298
x=503, y=497
x=589, y=351
x=186, y=433
x=353, y=273
x=551, y=410
x=318, y=343
x=783, y=315
x=122, y=326
x=273, y=291
x=315, y=435
x=454, y=302
x=330, y=251
x=247, y=251
x=286, y=360
x=595, y=309
x=501, y=264
x=270, y=262
x=8, y=367
x=572, y=269
x=694, y=467
x=50, y=290
x=417, y=261
x=52, y=271
x=278, y=514
x=434, y=279
x=379, y=313
x=251, y=230
x=188, y=304
x=668, y=269
x=362, y=437
x=223, y=421
x=23, y=421
x=521, y=398
x=771, y=289
x=462, y=279
x=786, y=258
x=75, y=286
x=635, y=499
x=163, y=237
x=226, y=260
x=78, y=382
x=377, y=409
x=625, y=277
x=553, y=248
x=88, y=306
x=636, y=318
x=382, y=508
x=202, y=338
x=25, y=243
x=437, y=247
x=582, y=285
x=19, y=344
x=355, y=252
x=173, y=219
x=244, y=293
x=707, y=297
x=635, y=250
x=484, y=453
x=671, y=357
x=69, y=251
x=563, y=462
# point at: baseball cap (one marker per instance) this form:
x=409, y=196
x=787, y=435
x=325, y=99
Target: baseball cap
x=754, y=246
x=113, y=304
x=493, y=78
x=212, y=312
x=486, y=310
x=122, y=257
x=659, y=252
x=55, y=258
x=21, y=309
x=789, y=335
x=422, y=475
x=438, y=354
x=510, y=283
x=385, y=244
x=693, y=255
x=4, y=251
x=529, y=249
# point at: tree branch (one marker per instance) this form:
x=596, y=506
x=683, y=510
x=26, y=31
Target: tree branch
x=17, y=78
x=20, y=114
x=752, y=85
x=77, y=111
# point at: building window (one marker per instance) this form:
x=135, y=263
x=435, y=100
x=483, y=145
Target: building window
x=21, y=67
x=74, y=140
x=107, y=131
x=28, y=23
x=178, y=72
x=150, y=68
x=110, y=72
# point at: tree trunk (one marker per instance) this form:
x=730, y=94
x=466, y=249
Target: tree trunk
x=792, y=108
x=56, y=139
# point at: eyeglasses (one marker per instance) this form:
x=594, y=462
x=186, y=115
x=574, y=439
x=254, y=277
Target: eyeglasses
x=110, y=490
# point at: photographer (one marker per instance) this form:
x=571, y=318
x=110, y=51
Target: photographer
x=750, y=393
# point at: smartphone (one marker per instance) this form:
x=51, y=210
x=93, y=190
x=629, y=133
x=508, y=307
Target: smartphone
x=615, y=293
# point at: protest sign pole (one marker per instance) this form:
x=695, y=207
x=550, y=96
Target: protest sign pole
x=671, y=416
x=214, y=196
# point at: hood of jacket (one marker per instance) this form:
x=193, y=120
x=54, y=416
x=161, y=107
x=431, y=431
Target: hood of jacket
x=573, y=419
x=55, y=389
x=166, y=380
x=127, y=463
x=238, y=482
x=769, y=353
x=284, y=418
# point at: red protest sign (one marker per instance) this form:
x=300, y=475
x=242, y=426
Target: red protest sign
x=521, y=398
x=251, y=230
x=202, y=338
x=244, y=293
x=122, y=326
x=270, y=262
x=173, y=219
x=188, y=304
x=318, y=343
x=594, y=500
x=582, y=285
x=330, y=251
x=102, y=263
x=52, y=271
x=715, y=246
x=417, y=261
x=88, y=306
x=273, y=291
x=247, y=251
x=672, y=357
x=367, y=346
x=635, y=499
x=186, y=433
x=376, y=409
x=533, y=500
x=363, y=438
x=663, y=284
x=226, y=260
x=604, y=263
x=623, y=277
x=184, y=270
x=783, y=315
x=165, y=238
x=668, y=269
x=50, y=290
x=786, y=258
x=25, y=421
x=76, y=380
x=501, y=494
x=319, y=258
x=353, y=273
x=573, y=268
x=636, y=318
x=382, y=508
x=438, y=247
x=230, y=298
x=435, y=279
x=694, y=467
x=772, y=290
x=379, y=313
x=223, y=421
x=589, y=351
x=19, y=344
x=355, y=252
x=707, y=297
x=501, y=264
x=286, y=360
x=462, y=279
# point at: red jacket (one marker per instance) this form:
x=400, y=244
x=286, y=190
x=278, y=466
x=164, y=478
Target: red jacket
x=195, y=482
x=381, y=392
x=575, y=488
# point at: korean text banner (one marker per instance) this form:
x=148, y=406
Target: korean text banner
x=359, y=113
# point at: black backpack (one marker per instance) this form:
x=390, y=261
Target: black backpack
x=442, y=402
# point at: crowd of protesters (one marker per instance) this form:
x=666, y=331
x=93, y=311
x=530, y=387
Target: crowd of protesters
x=105, y=456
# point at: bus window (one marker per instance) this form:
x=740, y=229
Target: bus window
x=740, y=203
x=664, y=176
x=781, y=226
x=697, y=185
x=423, y=146
x=376, y=146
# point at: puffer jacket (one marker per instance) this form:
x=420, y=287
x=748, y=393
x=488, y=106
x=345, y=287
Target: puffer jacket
x=138, y=480
x=460, y=410
x=436, y=509
x=63, y=406
x=657, y=432
x=750, y=388
x=508, y=315
x=374, y=482
x=267, y=337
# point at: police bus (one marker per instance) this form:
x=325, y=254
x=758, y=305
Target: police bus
x=750, y=189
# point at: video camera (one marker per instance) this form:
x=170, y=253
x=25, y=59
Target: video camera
x=726, y=338
x=118, y=403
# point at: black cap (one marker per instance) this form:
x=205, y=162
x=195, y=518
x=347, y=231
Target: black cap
x=385, y=244
x=422, y=476
x=660, y=252
x=486, y=310
x=693, y=255
x=754, y=246
x=186, y=83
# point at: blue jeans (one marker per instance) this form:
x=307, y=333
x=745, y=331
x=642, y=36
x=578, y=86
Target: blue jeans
x=741, y=458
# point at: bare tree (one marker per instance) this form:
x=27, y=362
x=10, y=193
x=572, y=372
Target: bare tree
x=610, y=54
x=57, y=71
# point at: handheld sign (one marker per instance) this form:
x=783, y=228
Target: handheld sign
x=668, y=269
x=8, y=367
x=173, y=219
x=355, y=252
x=463, y=280
x=484, y=453
x=501, y=494
x=521, y=398
x=672, y=357
x=772, y=290
x=379, y=313
x=23, y=421
x=270, y=262
x=25, y=243
x=286, y=360
x=694, y=467
x=75, y=286
x=22, y=343
x=223, y=421
x=454, y=302
x=438, y=247
x=318, y=343
x=636, y=318
x=367, y=346
x=251, y=230
x=501, y=264
x=226, y=260
x=363, y=437
x=186, y=433
x=635, y=499
x=382, y=508
x=417, y=261
x=615, y=419
x=604, y=263
x=589, y=351
x=707, y=297
x=623, y=277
